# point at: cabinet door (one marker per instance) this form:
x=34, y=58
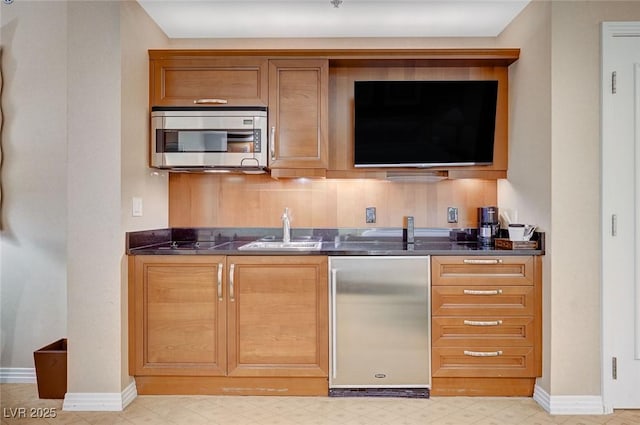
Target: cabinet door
x=278, y=323
x=233, y=81
x=177, y=315
x=298, y=113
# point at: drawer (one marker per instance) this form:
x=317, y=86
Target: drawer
x=482, y=331
x=487, y=361
x=516, y=270
x=482, y=301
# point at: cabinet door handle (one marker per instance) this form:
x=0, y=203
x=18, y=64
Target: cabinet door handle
x=220, y=265
x=232, y=296
x=483, y=323
x=210, y=101
x=482, y=292
x=272, y=142
x=482, y=353
x=482, y=261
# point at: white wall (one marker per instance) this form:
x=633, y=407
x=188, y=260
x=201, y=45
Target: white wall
x=139, y=34
x=108, y=139
x=575, y=274
x=527, y=189
x=555, y=174
x=76, y=127
x=138, y=180
x=33, y=236
x=575, y=308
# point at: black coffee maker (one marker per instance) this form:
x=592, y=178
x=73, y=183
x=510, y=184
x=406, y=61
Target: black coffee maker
x=488, y=225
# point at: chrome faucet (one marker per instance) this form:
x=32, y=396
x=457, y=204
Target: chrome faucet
x=286, y=226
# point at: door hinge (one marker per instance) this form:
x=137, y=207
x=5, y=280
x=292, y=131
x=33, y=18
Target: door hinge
x=614, y=81
x=614, y=225
x=614, y=367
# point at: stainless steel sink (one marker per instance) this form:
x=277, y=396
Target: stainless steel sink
x=283, y=246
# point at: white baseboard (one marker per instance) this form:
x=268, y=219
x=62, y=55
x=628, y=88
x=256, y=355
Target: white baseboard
x=100, y=402
x=569, y=404
x=17, y=375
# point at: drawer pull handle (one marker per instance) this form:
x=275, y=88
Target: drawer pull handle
x=482, y=353
x=482, y=292
x=483, y=323
x=482, y=261
x=210, y=101
x=220, y=266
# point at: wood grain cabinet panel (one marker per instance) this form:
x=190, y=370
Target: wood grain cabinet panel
x=483, y=362
x=301, y=87
x=298, y=113
x=517, y=270
x=482, y=300
x=177, y=323
x=471, y=331
x=243, y=325
x=230, y=81
x=278, y=323
x=486, y=325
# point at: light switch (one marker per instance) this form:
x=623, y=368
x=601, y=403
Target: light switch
x=136, y=207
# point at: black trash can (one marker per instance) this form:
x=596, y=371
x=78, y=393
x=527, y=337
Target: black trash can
x=51, y=369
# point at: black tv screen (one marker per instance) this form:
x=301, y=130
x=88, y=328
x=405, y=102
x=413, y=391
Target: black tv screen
x=424, y=123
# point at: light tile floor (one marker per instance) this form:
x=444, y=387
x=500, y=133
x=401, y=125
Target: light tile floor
x=230, y=410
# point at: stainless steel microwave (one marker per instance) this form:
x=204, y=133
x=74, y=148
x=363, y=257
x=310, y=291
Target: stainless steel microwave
x=209, y=138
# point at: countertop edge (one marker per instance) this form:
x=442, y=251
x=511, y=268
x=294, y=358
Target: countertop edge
x=225, y=241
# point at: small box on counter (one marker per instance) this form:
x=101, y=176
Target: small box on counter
x=463, y=235
x=503, y=243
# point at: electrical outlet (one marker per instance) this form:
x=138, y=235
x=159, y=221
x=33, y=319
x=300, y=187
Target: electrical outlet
x=370, y=214
x=452, y=215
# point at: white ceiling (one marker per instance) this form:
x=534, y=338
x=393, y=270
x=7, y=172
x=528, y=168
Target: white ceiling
x=319, y=18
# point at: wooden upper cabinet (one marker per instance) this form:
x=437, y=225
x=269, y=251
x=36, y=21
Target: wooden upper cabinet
x=341, y=134
x=301, y=88
x=208, y=81
x=298, y=113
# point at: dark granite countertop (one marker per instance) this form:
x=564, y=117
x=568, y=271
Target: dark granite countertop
x=374, y=241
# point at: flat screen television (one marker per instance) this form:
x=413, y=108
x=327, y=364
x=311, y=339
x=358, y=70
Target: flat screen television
x=424, y=123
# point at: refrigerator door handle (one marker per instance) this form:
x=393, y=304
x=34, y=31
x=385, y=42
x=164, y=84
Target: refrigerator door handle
x=334, y=328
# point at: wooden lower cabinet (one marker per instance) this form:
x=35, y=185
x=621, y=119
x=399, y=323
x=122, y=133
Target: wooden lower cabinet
x=278, y=316
x=258, y=325
x=176, y=322
x=228, y=325
x=486, y=325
